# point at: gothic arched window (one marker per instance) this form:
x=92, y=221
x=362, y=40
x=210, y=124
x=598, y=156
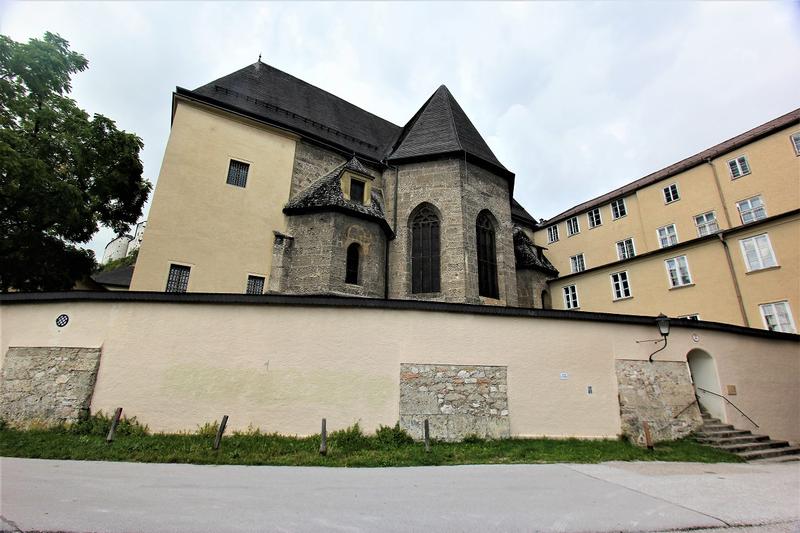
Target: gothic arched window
x=353, y=253
x=487, y=258
x=425, y=272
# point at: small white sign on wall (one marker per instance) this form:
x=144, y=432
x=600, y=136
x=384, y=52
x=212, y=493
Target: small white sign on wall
x=563, y=375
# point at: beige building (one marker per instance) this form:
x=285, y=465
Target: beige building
x=713, y=237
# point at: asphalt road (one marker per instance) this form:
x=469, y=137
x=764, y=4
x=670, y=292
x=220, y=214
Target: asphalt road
x=74, y=496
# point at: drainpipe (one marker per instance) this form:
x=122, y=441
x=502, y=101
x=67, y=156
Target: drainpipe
x=733, y=278
x=721, y=195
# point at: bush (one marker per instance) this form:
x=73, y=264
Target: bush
x=392, y=437
x=209, y=429
x=350, y=439
x=99, y=424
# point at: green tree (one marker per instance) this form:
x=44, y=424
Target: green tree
x=62, y=173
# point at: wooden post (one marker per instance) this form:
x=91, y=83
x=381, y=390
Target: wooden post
x=323, y=445
x=114, y=422
x=220, y=431
x=427, y=435
x=648, y=438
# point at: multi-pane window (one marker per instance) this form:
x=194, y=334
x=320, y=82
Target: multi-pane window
x=667, y=236
x=255, y=285
x=571, y=297
x=487, y=257
x=594, y=218
x=757, y=252
x=620, y=285
x=618, y=208
x=739, y=167
x=625, y=249
x=357, y=191
x=573, y=226
x=351, y=266
x=796, y=142
x=425, y=271
x=178, y=278
x=706, y=223
x=752, y=209
x=552, y=234
x=577, y=264
x=237, y=173
x=778, y=317
x=678, y=271
x=671, y=193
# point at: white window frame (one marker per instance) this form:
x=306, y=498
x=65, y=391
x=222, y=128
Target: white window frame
x=573, y=226
x=794, y=138
x=615, y=213
x=665, y=228
x=618, y=289
x=740, y=167
x=569, y=296
x=785, y=304
x=750, y=210
x=671, y=197
x=573, y=263
x=552, y=233
x=706, y=223
x=758, y=243
x=680, y=282
x=591, y=219
x=633, y=246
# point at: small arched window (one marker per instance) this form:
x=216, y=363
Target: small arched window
x=487, y=258
x=546, y=300
x=425, y=271
x=351, y=274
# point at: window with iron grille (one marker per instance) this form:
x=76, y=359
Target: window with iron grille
x=678, y=271
x=571, y=297
x=594, y=218
x=625, y=249
x=487, y=257
x=425, y=264
x=255, y=285
x=671, y=193
x=618, y=209
x=573, y=226
x=778, y=317
x=796, y=142
x=357, y=191
x=757, y=252
x=620, y=285
x=552, y=234
x=237, y=173
x=706, y=224
x=178, y=278
x=752, y=209
x=739, y=167
x=667, y=236
x=577, y=263
x=353, y=257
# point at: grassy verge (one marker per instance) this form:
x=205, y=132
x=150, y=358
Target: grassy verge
x=390, y=447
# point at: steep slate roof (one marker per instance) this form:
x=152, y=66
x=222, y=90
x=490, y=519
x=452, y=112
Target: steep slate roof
x=521, y=214
x=280, y=98
x=326, y=194
x=119, y=277
x=441, y=127
x=528, y=255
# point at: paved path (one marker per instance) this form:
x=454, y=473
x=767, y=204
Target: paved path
x=127, y=497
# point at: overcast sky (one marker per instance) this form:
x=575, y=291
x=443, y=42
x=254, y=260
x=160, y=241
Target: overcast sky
x=575, y=98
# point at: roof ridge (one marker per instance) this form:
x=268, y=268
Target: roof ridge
x=447, y=96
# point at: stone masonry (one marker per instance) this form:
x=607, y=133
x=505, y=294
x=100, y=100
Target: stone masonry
x=457, y=401
x=47, y=385
x=660, y=393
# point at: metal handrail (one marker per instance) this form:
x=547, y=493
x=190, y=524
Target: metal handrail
x=685, y=408
x=730, y=402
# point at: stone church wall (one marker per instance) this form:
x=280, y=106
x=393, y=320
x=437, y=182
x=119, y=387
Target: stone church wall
x=530, y=284
x=312, y=162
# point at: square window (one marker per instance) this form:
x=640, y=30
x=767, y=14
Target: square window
x=573, y=226
x=678, y=271
x=796, y=142
x=357, y=191
x=778, y=317
x=706, y=224
x=571, y=297
x=594, y=218
x=625, y=249
x=552, y=234
x=757, y=252
x=618, y=209
x=752, y=209
x=178, y=278
x=671, y=193
x=667, y=236
x=620, y=285
x=739, y=167
x=237, y=173
x=255, y=285
x=577, y=264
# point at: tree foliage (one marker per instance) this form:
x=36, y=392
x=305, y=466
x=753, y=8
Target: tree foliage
x=62, y=173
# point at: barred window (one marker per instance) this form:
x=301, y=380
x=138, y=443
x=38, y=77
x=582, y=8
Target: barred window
x=353, y=256
x=178, y=278
x=237, y=173
x=255, y=285
x=487, y=257
x=594, y=218
x=425, y=272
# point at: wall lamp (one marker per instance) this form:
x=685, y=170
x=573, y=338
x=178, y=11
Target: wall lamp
x=662, y=322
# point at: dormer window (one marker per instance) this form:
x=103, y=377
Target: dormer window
x=357, y=188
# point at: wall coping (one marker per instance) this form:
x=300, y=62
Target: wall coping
x=373, y=303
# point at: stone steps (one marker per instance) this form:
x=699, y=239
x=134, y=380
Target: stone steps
x=744, y=439
x=751, y=448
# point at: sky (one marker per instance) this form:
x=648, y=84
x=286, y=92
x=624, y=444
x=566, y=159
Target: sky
x=575, y=98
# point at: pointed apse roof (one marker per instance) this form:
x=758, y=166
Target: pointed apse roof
x=441, y=127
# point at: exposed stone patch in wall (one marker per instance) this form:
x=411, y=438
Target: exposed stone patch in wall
x=658, y=393
x=312, y=162
x=457, y=400
x=530, y=284
x=47, y=384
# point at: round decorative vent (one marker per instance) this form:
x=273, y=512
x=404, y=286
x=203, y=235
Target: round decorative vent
x=62, y=321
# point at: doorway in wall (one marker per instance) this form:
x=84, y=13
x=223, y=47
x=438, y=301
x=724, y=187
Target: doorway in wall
x=706, y=381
